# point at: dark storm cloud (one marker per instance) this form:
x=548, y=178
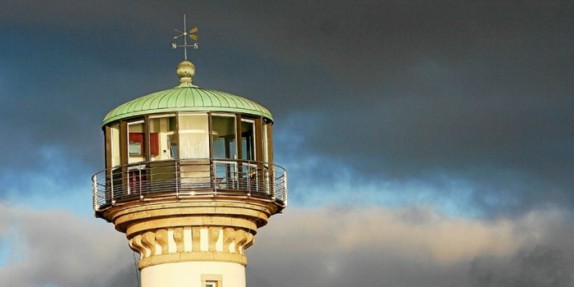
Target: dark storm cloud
x=417, y=91
x=392, y=90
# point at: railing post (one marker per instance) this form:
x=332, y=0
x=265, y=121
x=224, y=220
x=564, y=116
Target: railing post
x=112, y=199
x=271, y=178
x=214, y=179
x=248, y=180
x=95, y=192
x=140, y=180
x=285, y=186
x=176, y=178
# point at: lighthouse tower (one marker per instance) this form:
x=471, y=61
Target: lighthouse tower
x=189, y=178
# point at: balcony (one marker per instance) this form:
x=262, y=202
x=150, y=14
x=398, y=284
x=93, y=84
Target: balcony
x=193, y=178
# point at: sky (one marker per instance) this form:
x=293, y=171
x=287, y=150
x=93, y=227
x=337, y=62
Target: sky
x=431, y=143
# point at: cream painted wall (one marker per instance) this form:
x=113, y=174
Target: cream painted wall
x=189, y=274
x=115, y=144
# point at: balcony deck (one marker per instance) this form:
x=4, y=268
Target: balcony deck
x=188, y=178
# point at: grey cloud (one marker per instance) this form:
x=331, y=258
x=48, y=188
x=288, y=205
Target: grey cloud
x=60, y=248
x=352, y=247
x=539, y=266
x=339, y=247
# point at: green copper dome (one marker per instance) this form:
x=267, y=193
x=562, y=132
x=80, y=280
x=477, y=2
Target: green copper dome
x=186, y=98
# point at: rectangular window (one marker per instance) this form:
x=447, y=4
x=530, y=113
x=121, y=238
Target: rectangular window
x=223, y=137
x=208, y=280
x=136, y=143
x=247, y=139
x=162, y=137
x=193, y=136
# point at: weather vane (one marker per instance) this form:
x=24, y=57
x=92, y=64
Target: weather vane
x=192, y=34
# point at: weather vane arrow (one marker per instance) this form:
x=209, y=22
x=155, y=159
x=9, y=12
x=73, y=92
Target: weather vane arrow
x=192, y=34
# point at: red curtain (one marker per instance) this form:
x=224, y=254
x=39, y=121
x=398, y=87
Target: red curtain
x=154, y=144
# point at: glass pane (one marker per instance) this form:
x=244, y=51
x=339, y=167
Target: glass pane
x=225, y=175
x=193, y=137
x=162, y=138
x=115, y=144
x=136, y=143
x=247, y=140
x=223, y=137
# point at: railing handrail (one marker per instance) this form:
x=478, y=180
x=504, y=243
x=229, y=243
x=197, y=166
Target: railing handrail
x=189, y=177
x=192, y=159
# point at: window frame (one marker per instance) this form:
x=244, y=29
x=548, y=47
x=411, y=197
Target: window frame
x=211, y=280
x=262, y=141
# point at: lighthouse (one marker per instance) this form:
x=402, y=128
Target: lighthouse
x=189, y=178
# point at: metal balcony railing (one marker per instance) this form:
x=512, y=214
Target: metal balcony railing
x=188, y=178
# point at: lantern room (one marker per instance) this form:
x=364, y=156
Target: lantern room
x=188, y=142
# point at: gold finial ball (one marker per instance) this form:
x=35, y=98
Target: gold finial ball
x=185, y=72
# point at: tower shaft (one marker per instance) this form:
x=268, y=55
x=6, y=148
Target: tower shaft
x=193, y=241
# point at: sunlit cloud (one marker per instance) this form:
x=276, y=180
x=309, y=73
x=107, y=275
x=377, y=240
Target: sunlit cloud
x=327, y=246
